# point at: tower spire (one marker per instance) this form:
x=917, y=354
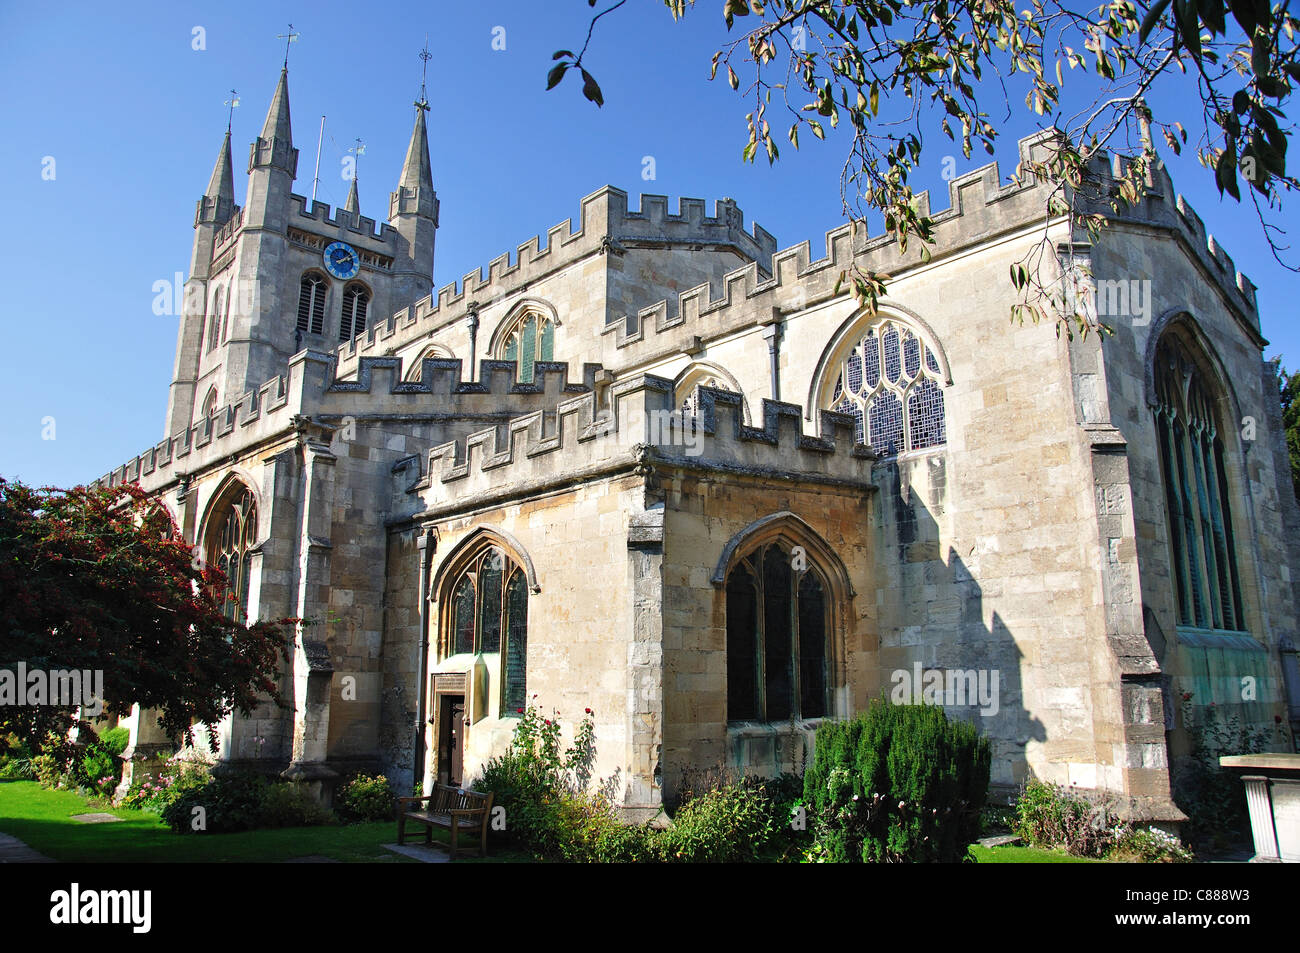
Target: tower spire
x=353, y=204
x=277, y=125
x=218, y=202
x=417, y=172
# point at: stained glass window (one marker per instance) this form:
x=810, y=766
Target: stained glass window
x=889, y=383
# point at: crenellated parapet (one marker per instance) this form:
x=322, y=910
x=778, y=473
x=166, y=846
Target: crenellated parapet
x=309, y=389
x=303, y=210
x=981, y=207
x=636, y=424
x=1162, y=206
x=605, y=221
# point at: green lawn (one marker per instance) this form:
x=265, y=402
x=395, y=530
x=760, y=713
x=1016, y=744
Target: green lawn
x=42, y=820
x=1025, y=855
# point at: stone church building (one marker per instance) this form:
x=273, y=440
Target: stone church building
x=658, y=467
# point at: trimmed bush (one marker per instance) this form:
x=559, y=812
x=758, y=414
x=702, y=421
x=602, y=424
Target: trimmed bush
x=897, y=783
x=241, y=802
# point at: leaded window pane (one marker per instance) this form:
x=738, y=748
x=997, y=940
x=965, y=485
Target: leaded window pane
x=1202, y=551
x=885, y=422
x=514, y=668
x=489, y=580
x=888, y=383
x=742, y=639
x=812, y=647
x=229, y=548
x=778, y=681
x=463, y=618
x=776, y=639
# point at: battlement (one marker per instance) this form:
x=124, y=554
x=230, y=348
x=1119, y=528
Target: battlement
x=604, y=219
x=638, y=423
x=309, y=389
x=1163, y=205
x=301, y=207
x=980, y=207
x=654, y=224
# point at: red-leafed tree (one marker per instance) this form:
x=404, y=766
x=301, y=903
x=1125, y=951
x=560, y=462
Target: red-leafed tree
x=102, y=579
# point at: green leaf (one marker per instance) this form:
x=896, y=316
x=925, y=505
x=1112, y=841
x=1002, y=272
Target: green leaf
x=1189, y=26
x=875, y=99
x=591, y=89
x=1151, y=19
x=555, y=75
x=560, y=53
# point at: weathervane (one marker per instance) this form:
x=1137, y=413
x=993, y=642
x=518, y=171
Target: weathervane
x=232, y=102
x=358, y=150
x=288, y=38
x=425, y=56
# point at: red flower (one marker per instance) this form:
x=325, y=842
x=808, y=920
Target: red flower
x=588, y=711
x=548, y=722
x=1277, y=719
x=519, y=710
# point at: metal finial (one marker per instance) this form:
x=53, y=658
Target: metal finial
x=425, y=56
x=232, y=102
x=288, y=38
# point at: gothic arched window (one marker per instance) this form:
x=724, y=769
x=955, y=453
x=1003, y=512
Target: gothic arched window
x=487, y=612
x=311, y=303
x=214, y=322
x=231, y=538
x=1197, y=499
x=530, y=339
x=777, y=627
x=210, y=403
x=890, y=384
x=356, y=300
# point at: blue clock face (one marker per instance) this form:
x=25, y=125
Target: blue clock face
x=342, y=260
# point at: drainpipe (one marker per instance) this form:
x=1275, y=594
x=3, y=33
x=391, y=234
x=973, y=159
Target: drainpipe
x=772, y=332
x=426, y=544
x=472, y=372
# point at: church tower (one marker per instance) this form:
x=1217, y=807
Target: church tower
x=285, y=272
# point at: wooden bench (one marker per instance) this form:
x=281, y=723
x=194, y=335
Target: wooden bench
x=457, y=810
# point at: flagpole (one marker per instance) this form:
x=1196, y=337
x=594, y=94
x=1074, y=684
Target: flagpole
x=316, y=178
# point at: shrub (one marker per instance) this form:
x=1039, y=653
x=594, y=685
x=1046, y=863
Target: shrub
x=286, y=804
x=1151, y=846
x=177, y=777
x=366, y=799
x=1056, y=818
x=728, y=824
x=240, y=802
x=229, y=803
x=115, y=740
x=897, y=783
x=1052, y=817
x=532, y=781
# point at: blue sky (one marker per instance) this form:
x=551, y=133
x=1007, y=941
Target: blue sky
x=133, y=115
